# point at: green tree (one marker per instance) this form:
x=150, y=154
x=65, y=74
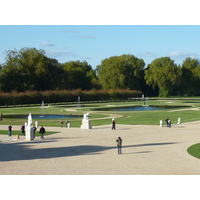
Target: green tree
x=121, y=72
x=27, y=69
x=190, y=80
x=78, y=75
x=164, y=74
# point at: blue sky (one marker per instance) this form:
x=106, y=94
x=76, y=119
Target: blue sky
x=94, y=43
x=94, y=30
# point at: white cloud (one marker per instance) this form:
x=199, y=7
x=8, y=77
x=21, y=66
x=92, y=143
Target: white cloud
x=147, y=54
x=47, y=44
x=181, y=54
x=59, y=54
x=56, y=53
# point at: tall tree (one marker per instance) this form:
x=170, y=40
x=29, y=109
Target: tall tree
x=164, y=74
x=27, y=69
x=190, y=80
x=121, y=72
x=78, y=75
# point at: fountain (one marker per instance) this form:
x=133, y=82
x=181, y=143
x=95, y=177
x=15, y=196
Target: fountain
x=146, y=100
x=42, y=107
x=79, y=100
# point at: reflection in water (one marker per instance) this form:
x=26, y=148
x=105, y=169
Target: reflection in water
x=141, y=108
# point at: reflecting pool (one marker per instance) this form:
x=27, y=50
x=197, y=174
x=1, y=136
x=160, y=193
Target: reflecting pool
x=44, y=116
x=141, y=108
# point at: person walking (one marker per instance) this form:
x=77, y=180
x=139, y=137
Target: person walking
x=113, y=124
x=42, y=131
x=23, y=130
x=61, y=123
x=10, y=130
x=119, y=145
x=1, y=117
x=169, y=123
x=34, y=129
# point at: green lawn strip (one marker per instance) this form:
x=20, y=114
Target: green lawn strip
x=194, y=150
x=14, y=132
x=151, y=117
x=128, y=117
x=74, y=122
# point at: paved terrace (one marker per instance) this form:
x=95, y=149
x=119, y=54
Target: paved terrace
x=146, y=150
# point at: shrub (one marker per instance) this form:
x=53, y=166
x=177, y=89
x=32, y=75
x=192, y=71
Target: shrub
x=36, y=97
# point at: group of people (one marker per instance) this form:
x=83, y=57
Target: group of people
x=41, y=131
x=62, y=122
x=119, y=139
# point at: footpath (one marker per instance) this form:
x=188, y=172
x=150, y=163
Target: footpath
x=147, y=150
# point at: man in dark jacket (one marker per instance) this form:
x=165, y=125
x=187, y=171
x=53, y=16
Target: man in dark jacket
x=119, y=145
x=42, y=131
x=10, y=130
x=113, y=124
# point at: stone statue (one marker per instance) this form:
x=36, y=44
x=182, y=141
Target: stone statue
x=86, y=122
x=29, y=128
x=161, y=123
x=29, y=121
x=86, y=116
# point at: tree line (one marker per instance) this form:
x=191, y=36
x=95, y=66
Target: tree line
x=29, y=69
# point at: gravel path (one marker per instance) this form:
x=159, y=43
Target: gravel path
x=148, y=150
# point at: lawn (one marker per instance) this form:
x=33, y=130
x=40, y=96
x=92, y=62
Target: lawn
x=194, y=150
x=100, y=117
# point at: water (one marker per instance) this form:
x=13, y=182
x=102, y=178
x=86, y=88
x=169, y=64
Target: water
x=141, y=108
x=44, y=116
x=138, y=108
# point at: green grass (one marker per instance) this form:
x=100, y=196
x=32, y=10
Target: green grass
x=194, y=150
x=14, y=132
x=128, y=117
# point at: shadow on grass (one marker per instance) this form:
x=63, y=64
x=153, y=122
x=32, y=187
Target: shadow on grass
x=24, y=151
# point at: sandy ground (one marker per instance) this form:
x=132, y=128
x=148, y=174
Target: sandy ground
x=147, y=150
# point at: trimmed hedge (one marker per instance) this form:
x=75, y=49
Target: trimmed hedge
x=36, y=97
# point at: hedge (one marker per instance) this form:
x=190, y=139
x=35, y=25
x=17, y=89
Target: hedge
x=36, y=97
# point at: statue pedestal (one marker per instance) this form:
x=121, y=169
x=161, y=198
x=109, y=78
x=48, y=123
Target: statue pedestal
x=29, y=134
x=86, y=124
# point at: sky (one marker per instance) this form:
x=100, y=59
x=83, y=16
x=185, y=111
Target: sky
x=93, y=43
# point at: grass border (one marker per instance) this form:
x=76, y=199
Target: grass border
x=194, y=150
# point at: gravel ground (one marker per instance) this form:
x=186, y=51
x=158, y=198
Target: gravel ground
x=147, y=150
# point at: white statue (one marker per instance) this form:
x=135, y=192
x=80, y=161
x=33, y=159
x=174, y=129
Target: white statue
x=161, y=123
x=86, y=122
x=179, y=121
x=86, y=116
x=36, y=124
x=29, y=121
x=143, y=97
x=29, y=128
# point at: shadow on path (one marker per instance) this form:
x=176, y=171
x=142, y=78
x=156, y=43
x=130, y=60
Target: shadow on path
x=24, y=150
